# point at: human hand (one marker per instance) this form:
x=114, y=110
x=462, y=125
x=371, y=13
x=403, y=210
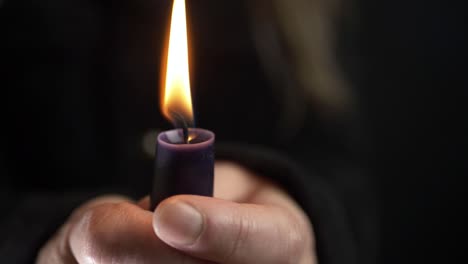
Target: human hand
x=249, y=221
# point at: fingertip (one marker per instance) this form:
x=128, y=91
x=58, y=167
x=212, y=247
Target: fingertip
x=177, y=222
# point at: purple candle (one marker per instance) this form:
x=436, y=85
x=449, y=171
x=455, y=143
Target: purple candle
x=183, y=168
x=184, y=156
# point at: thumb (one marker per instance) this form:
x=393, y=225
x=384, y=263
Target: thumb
x=228, y=232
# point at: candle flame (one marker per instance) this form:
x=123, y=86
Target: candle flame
x=176, y=96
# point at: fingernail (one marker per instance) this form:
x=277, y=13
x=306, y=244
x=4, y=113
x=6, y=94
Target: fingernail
x=178, y=223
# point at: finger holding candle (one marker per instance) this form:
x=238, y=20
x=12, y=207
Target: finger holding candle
x=228, y=232
x=254, y=222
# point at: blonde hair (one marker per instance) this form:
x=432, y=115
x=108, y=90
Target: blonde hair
x=296, y=42
x=307, y=30
x=308, y=27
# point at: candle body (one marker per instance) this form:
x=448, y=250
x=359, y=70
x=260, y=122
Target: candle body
x=183, y=168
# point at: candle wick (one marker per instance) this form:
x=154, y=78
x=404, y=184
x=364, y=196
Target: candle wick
x=179, y=121
x=186, y=134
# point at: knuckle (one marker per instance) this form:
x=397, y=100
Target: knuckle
x=243, y=229
x=245, y=226
x=95, y=226
x=295, y=241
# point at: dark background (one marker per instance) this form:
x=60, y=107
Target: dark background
x=80, y=78
x=415, y=88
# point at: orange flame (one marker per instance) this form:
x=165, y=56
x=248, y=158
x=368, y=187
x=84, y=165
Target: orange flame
x=176, y=96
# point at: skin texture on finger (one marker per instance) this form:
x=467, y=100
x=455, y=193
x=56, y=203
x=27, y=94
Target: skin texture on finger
x=234, y=233
x=111, y=232
x=57, y=250
x=236, y=183
x=121, y=233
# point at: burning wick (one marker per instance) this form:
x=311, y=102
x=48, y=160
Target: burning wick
x=179, y=121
